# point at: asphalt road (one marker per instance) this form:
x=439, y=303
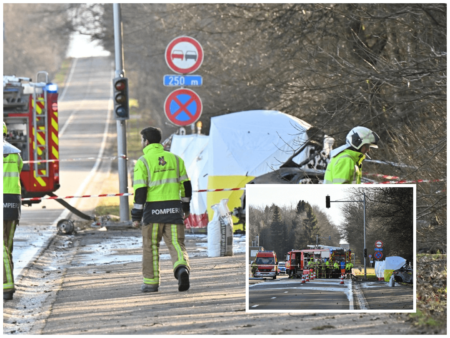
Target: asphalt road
x=83, y=115
x=290, y=294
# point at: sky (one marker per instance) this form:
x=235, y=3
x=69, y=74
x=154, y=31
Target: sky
x=81, y=46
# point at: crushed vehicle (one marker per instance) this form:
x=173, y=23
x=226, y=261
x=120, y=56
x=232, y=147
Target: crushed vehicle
x=404, y=275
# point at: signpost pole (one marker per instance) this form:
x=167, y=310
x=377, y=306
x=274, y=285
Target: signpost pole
x=365, y=249
x=121, y=124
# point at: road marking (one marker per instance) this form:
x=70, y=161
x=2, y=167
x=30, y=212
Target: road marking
x=273, y=297
x=361, y=300
x=61, y=98
x=255, y=305
x=285, y=292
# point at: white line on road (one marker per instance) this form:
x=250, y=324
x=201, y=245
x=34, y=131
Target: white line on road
x=285, y=292
x=361, y=300
x=61, y=98
x=273, y=297
x=255, y=305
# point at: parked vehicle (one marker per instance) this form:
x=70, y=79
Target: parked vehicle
x=281, y=268
x=266, y=262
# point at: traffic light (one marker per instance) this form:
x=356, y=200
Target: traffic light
x=121, y=106
x=327, y=201
x=365, y=253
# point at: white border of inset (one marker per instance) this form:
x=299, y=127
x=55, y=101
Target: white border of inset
x=259, y=188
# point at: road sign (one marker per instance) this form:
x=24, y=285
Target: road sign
x=182, y=80
x=378, y=244
x=378, y=255
x=378, y=249
x=184, y=55
x=370, y=256
x=183, y=107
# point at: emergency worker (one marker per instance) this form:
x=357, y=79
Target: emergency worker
x=335, y=268
x=323, y=270
x=345, y=166
x=349, y=268
x=162, y=192
x=12, y=166
x=342, y=268
x=327, y=270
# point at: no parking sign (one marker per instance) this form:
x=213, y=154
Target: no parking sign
x=183, y=107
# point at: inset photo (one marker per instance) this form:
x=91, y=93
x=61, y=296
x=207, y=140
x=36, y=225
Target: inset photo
x=331, y=248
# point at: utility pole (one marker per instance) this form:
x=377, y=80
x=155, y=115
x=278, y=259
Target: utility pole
x=327, y=204
x=121, y=124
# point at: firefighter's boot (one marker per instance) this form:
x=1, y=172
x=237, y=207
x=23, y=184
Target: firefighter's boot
x=8, y=295
x=149, y=288
x=182, y=275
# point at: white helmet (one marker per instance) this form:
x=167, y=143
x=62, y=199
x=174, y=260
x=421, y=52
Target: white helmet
x=359, y=136
x=356, y=138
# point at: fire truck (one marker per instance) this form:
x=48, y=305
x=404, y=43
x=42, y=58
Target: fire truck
x=30, y=111
x=296, y=260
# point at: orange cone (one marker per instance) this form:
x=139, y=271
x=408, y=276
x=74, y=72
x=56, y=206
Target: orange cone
x=342, y=280
x=303, y=279
x=307, y=278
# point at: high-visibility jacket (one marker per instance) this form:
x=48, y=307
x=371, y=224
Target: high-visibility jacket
x=12, y=166
x=336, y=265
x=345, y=168
x=327, y=263
x=164, y=175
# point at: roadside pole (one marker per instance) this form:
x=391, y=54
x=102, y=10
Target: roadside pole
x=328, y=205
x=365, y=248
x=121, y=124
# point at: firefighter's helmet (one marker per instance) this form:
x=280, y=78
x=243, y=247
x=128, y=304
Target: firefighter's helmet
x=359, y=136
x=5, y=130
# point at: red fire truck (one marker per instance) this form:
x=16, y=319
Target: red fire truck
x=296, y=260
x=30, y=111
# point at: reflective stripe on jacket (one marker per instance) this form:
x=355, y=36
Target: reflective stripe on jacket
x=12, y=166
x=163, y=174
x=345, y=168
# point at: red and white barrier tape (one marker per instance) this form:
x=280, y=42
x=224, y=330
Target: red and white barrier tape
x=69, y=197
x=408, y=182
x=382, y=176
x=214, y=190
x=76, y=159
x=209, y=190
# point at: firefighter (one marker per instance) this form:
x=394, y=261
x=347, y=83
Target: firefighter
x=12, y=166
x=349, y=268
x=342, y=264
x=327, y=270
x=160, y=180
x=323, y=269
x=345, y=166
x=335, y=268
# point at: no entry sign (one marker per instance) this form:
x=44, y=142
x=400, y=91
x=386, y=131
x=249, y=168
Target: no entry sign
x=183, y=107
x=378, y=255
x=378, y=244
x=184, y=55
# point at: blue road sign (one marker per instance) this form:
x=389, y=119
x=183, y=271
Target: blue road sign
x=183, y=107
x=378, y=249
x=182, y=80
x=378, y=255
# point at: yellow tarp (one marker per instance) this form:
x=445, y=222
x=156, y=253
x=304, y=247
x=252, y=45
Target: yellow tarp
x=357, y=272
x=234, y=197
